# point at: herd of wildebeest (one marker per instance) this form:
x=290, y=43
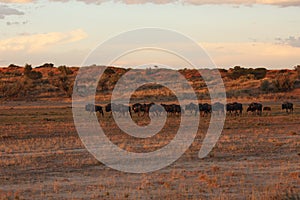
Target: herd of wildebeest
x=205, y=109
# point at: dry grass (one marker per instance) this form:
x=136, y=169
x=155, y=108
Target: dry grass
x=42, y=157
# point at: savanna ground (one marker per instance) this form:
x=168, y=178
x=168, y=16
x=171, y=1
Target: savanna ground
x=42, y=156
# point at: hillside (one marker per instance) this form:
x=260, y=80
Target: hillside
x=47, y=82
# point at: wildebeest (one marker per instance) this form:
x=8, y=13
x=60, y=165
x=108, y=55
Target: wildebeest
x=267, y=109
x=138, y=108
x=156, y=109
x=94, y=108
x=192, y=108
x=289, y=107
x=218, y=108
x=235, y=107
x=119, y=108
x=255, y=107
x=205, y=108
x=172, y=108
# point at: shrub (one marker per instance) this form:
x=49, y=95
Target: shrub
x=223, y=70
x=283, y=83
x=109, y=71
x=64, y=84
x=237, y=72
x=51, y=73
x=11, y=89
x=65, y=70
x=265, y=86
x=27, y=69
x=32, y=74
x=259, y=73
x=46, y=65
x=13, y=66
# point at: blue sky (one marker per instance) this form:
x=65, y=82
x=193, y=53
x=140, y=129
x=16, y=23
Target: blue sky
x=259, y=33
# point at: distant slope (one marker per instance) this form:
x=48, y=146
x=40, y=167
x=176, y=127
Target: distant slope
x=51, y=83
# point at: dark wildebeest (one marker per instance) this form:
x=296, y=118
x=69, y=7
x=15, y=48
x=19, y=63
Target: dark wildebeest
x=235, y=107
x=119, y=108
x=289, y=107
x=205, y=108
x=267, y=109
x=94, y=108
x=145, y=108
x=138, y=108
x=168, y=108
x=192, y=108
x=173, y=109
x=156, y=109
x=218, y=108
x=255, y=107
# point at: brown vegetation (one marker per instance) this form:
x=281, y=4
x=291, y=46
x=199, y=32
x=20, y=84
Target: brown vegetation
x=49, y=82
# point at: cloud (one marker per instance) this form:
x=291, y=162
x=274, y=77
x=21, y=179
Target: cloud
x=15, y=1
x=146, y=1
x=40, y=42
x=281, y=3
x=5, y=11
x=291, y=41
x=252, y=54
x=16, y=23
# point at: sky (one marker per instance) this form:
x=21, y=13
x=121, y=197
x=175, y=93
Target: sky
x=260, y=33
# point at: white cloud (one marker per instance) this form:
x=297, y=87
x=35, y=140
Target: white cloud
x=15, y=1
x=5, y=11
x=292, y=41
x=281, y=3
x=253, y=54
x=39, y=42
x=245, y=2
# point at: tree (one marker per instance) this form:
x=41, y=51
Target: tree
x=259, y=73
x=13, y=66
x=46, y=65
x=32, y=74
x=283, y=83
x=237, y=72
x=27, y=69
x=65, y=70
x=297, y=69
